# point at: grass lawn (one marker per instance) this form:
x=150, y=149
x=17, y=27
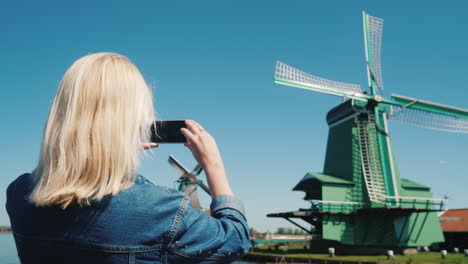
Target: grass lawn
x=422, y=257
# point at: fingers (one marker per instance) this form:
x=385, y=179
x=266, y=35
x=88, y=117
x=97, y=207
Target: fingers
x=188, y=135
x=148, y=145
x=194, y=127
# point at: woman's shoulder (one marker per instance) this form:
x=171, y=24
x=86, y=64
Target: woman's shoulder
x=144, y=211
x=22, y=184
x=23, y=178
x=144, y=186
x=144, y=195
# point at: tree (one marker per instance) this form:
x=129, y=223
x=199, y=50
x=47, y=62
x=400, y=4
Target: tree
x=5, y=229
x=281, y=231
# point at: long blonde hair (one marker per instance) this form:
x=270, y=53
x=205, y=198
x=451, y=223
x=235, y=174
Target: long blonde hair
x=100, y=115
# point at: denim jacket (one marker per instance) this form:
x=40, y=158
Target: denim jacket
x=145, y=223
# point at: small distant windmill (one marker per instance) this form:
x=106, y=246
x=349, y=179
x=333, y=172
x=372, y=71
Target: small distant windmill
x=360, y=199
x=188, y=181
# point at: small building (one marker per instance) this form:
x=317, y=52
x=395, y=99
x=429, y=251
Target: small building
x=454, y=223
x=258, y=235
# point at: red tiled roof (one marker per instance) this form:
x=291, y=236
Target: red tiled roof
x=454, y=220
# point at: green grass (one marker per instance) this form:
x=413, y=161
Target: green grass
x=422, y=257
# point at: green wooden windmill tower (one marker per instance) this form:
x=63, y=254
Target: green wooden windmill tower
x=359, y=198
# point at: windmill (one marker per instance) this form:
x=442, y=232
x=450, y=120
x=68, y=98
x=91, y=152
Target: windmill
x=359, y=198
x=188, y=181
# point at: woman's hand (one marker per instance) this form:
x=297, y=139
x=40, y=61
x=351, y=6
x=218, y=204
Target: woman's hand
x=202, y=145
x=205, y=151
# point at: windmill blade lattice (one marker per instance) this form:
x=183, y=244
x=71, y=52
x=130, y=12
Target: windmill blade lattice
x=288, y=75
x=373, y=29
x=426, y=114
x=431, y=120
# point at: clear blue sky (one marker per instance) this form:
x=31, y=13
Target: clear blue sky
x=213, y=61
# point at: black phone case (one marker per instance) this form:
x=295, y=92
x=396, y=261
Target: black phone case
x=167, y=131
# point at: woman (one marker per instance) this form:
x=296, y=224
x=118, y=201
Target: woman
x=85, y=202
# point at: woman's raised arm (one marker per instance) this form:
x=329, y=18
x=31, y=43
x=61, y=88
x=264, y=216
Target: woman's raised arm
x=205, y=151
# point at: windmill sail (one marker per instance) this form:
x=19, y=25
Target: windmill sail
x=204, y=187
x=373, y=29
x=430, y=115
x=288, y=75
x=177, y=165
x=188, y=182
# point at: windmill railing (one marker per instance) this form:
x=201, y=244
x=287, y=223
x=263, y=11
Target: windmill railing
x=417, y=203
x=405, y=203
x=335, y=206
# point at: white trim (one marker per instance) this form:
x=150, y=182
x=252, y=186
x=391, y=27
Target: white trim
x=322, y=89
x=429, y=102
x=338, y=202
x=390, y=153
x=417, y=198
x=365, y=48
x=342, y=120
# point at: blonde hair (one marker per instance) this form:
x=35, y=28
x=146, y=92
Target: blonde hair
x=100, y=115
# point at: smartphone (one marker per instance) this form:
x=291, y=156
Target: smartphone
x=167, y=131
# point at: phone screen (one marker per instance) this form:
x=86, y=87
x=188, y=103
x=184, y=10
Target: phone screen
x=167, y=131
